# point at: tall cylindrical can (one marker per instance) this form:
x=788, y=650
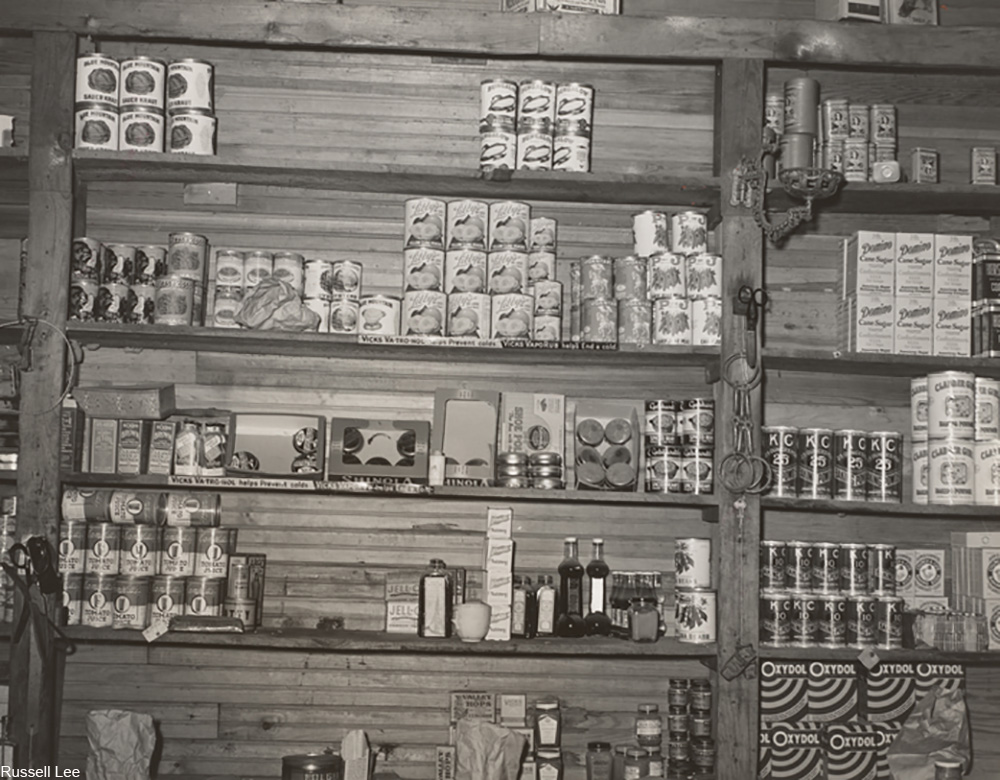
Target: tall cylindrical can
x=630, y=278
x=854, y=572
x=542, y=234
x=951, y=405
x=696, y=616
x=96, y=126
x=635, y=322
x=775, y=618
x=192, y=132
x=650, y=233
x=575, y=103
x=507, y=271
x=131, y=605
x=103, y=546
x=858, y=116
x=599, y=320
x=774, y=113
x=424, y=221
x=693, y=563
x=918, y=408
x=826, y=567
x=672, y=321
x=798, y=566
x=804, y=620
x=797, y=150
x=166, y=598
x=704, y=275
x=465, y=271
x=536, y=100
x=177, y=546
x=187, y=255
x=920, y=473
x=850, y=452
x=140, y=550
x=467, y=222
x=889, y=623
x=510, y=221
x=98, y=600
x=861, y=621
x=571, y=147
x=883, y=123
x=815, y=463
x=885, y=467
x=836, y=126
x=667, y=275
x=534, y=146
x=951, y=471
x=832, y=624
x=597, y=277
x=72, y=598
x=781, y=453
x=801, y=106
x=317, y=279
x=497, y=146
x=882, y=570
x=696, y=422
x=72, y=546
x=230, y=268
x=203, y=596
x=213, y=546
x=424, y=313
x=772, y=565
x=498, y=100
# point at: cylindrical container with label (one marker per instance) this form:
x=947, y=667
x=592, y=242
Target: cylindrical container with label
x=142, y=84
x=889, y=623
x=97, y=79
x=467, y=222
x=317, y=281
x=571, y=147
x=693, y=563
x=650, y=233
x=541, y=267
x=689, y=233
x=548, y=298
x=424, y=313
x=72, y=546
x=98, y=600
x=951, y=471
x=465, y=271
x=204, y=596
x=228, y=301
x=801, y=106
x=951, y=405
x=187, y=255
x=921, y=473
x=96, y=126
x=858, y=115
x=103, y=547
x=166, y=598
x=697, y=464
x=860, y=621
x=193, y=509
x=832, y=626
x=131, y=605
x=509, y=224
x=599, y=321
x=857, y=162
x=987, y=425
x=190, y=85
x=423, y=269
x=850, y=473
x=243, y=609
x=497, y=145
x=630, y=278
x=257, y=266
x=288, y=267
x=854, y=572
x=667, y=275
x=72, y=598
x=112, y=302
x=534, y=146
x=774, y=113
x=321, y=308
x=882, y=128
x=672, y=321
x=836, y=126
x=177, y=551
x=597, y=278
x=826, y=567
x=86, y=504
x=704, y=275
x=575, y=103
x=772, y=565
x=706, y=322
x=804, y=620
x=230, y=268
x=798, y=566
x=542, y=234
x=512, y=316
x=987, y=473
x=918, y=408
x=140, y=130
x=882, y=570
x=174, y=300
x=346, y=277
x=695, y=614
x=885, y=467
x=150, y=263
x=780, y=450
x=635, y=322
x=536, y=100
x=469, y=315
x=141, y=308
x=213, y=546
x=379, y=315
x=87, y=259
x=344, y=314
x=191, y=132
x=797, y=150
x=815, y=463
x=140, y=550
x=508, y=272
x=497, y=100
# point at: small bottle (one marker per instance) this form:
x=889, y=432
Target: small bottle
x=571, y=571
x=187, y=449
x=550, y=764
x=8, y=751
x=435, y=468
x=213, y=447
x=597, y=621
x=644, y=620
x=519, y=609
x=648, y=725
x=599, y=761
x=546, y=597
x=435, y=601
x=700, y=695
x=548, y=724
x=636, y=763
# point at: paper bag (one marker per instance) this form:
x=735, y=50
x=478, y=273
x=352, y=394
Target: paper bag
x=274, y=305
x=121, y=745
x=937, y=730
x=487, y=752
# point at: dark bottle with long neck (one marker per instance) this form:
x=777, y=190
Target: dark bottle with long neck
x=571, y=571
x=597, y=621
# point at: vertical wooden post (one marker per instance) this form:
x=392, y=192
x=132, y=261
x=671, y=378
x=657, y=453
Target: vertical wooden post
x=740, y=96
x=50, y=179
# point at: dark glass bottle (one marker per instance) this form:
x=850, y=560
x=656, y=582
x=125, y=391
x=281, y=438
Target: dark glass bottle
x=597, y=620
x=531, y=610
x=571, y=571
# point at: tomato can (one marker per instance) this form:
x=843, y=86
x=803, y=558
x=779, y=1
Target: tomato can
x=131, y=603
x=775, y=618
x=512, y=316
x=424, y=313
x=651, y=234
x=831, y=622
x=597, y=278
x=87, y=261
x=498, y=100
x=826, y=567
x=97, y=126
x=854, y=575
x=469, y=315
x=781, y=453
x=98, y=600
x=317, y=281
x=177, y=551
x=497, y=146
x=542, y=234
x=571, y=147
x=693, y=563
x=889, y=623
x=987, y=394
x=696, y=616
x=599, y=320
x=166, y=598
x=951, y=405
x=213, y=546
x=704, y=275
x=635, y=322
x=920, y=477
x=174, y=300
x=772, y=565
x=689, y=233
x=850, y=459
x=191, y=132
x=885, y=467
x=112, y=300
x=667, y=274
x=798, y=566
x=103, y=548
x=509, y=222
x=140, y=550
x=344, y=313
x=536, y=100
x=193, y=509
x=951, y=472
x=82, y=299
x=72, y=597
x=150, y=263
x=882, y=570
x=203, y=596
x=97, y=79
x=672, y=321
x=508, y=272
x=321, y=308
x=72, y=546
x=815, y=462
x=142, y=83
x=804, y=620
x=140, y=130
x=534, y=146
x=190, y=85
x=379, y=314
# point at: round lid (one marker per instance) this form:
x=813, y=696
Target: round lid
x=599, y=746
x=547, y=704
x=634, y=752
x=649, y=708
x=620, y=749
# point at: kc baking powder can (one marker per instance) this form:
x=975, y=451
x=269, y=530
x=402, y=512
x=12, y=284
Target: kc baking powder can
x=781, y=453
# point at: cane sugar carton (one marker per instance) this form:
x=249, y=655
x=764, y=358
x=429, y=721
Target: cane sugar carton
x=952, y=326
x=867, y=323
x=869, y=264
x=856, y=751
x=928, y=573
x=913, y=333
x=914, y=263
x=893, y=689
x=790, y=751
x=953, y=266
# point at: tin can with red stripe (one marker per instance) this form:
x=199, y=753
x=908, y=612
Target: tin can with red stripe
x=798, y=566
x=854, y=568
x=772, y=565
x=782, y=456
x=861, y=621
x=805, y=620
x=832, y=627
x=826, y=567
x=889, y=623
x=882, y=570
x=885, y=467
x=815, y=461
x=850, y=478
x=775, y=618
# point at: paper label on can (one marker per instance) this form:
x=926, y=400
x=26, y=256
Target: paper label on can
x=671, y=321
x=467, y=221
x=512, y=316
x=689, y=233
x=704, y=276
x=379, y=315
x=693, y=563
x=542, y=234
x=141, y=131
x=192, y=134
x=509, y=223
x=96, y=128
x=667, y=275
x=97, y=79
x=469, y=315
x=497, y=149
x=423, y=269
x=343, y=314
x=541, y=267
x=507, y=272
x=706, y=322
x=424, y=313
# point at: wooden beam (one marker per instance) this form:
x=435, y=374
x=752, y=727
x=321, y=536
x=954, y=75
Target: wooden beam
x=740, y=92
x=33, y=670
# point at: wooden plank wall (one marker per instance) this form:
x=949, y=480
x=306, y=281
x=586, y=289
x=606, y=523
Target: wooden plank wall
x=15, y=78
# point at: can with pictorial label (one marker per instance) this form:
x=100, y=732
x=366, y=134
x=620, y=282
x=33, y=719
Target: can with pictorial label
x=103, y=546
x=177, y=546
x=861, y=621
x=194, y=509
x=191, y=132
x=166, y=598
x=97, y=79
x=775, y=618
x=469, y=315
x=131, y=604
x=885, y=467
x=497, y=145
x=798, y=566
x=695, y=614
x=832, y=626
x=72, y=546
x=854, y=577
x=142, y=83
x=213, y=546
x=72, y=598
x=651, y=234
x=98, y=600
x=951, y=405
x=951, y=470
x=672, y=321
x=781, y=453
x=140, y=130
x=693, y=563
x=190, y=85
x=534, y=146
x=140, y=550
x=498, y=100
x=97, y=126
x=921, y=472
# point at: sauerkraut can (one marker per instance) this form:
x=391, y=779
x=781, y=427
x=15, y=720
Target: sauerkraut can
x=467, y=223
x=142, y=83
x=497, y=100
x=97, y=126
x=469, y=315
x=192, y=132
x=97, y=79
x=140, y=130
x=423, y=223
x=951, y=468
x=951, y=405
x=379, y=315
x=190, y=85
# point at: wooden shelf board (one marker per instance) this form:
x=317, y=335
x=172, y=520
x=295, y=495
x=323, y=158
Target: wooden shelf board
x=378, y=642
x=428, y=181
x=904, y=198
x=929, y=654
x=834, y=362
x=339, y=346
x=828, y=506
x=8, y=476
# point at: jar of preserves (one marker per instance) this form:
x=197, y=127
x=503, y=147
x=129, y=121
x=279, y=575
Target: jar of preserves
x=599, y=761
x=648, y=725
x=643, y=619
x=657, y=768
x=677, y=693
x=677, y=720
x=700, y=724
x=700, y=695
x=636, y=763
x=548, y=723
x=549, y=764
x=703, y=755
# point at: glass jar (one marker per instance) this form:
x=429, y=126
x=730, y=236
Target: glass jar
x=599, y=761
x=648, y=725
x=657, y=768
x=701, y=695
x=549, y=764
x=548, y=723
x=703, y=755
x=701, y=725
x=643, y=619
x=636, y=763
x=618, y=762
x=678, y=750
x=677, y=693
x=677, y=720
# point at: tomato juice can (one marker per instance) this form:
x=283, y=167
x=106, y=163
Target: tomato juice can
x=140, y=550
x=86, y=504
x=798, y=566
x=854, y=568
x=131, y=603
x=850, y=477
x=98, y=600
x=72, y=597
x=860, y=620
x=831, y=621
x=781, y=453
x=103, y=548
x=826, y=567
x=213, y=546
x=772, y=565
x=131, y=507
x=203, y=596
x=815, y=462
x=192, y=509
x=72, y=546
x=177, y=551
x=629, y=274
x=166, y=598
x=775, y=618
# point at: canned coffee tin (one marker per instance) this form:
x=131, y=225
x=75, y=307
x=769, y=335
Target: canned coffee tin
x=704, y=275
x=203, y=596
x=213, y=546
x=772, y=565
x=111, y=302
x=191, y=132
x=131, y=605
x=689, y=233
x=635, y=322
x=889, y=623
x=597, y=278
x=257, y=267
x=497, y=146
x=230, y=268
x=72, y=598
x=804, y=620
x=509, y=221
x=498, y=100
x=542, y=234
x=192, y=509
x=424, y=313
x=850, y=459
x=97, y=79
x=98, y=600
x=832, y=628
x=465, y=271
x=140, y=130
x=228, y=301
x=379, y=315
x=511, y=316
x=661, y=423
x=140, y=550
x=951, y=405
x=987, y=394
x=921, y=472
x=599, y=319
x=798, y=566
x=96, y=126
x=536, y=101
x=651, y=234
x=321, y=308
x=174, y=300
x=82, y=299
x=177, y=551
x=344, y=312
x=885, y=467
x=826, y=567
x=166, y=599
x=548, y=298
x=629, y=275
x=781, y=453
x=951, y=470
x=317, y=279
x=672, y=321
x=87, y=261
x=882, y=570
x=288, y=267
x=541, y=267
x=534, y=146
x=467, y=221
x=575, y=103
x=854, y=574
x=987, y=473
x=507, y=272
x=918, y=408
x=706, y=322
x=698, y=470
x=860, y=620
x=815, y=462
x=190, y=85
x=693, y=563
x=696, y=616
x=667, y=275
x=142, y=84
x=469, y=315
x=72, y=546
x=775, y=618
x=571, y=148
x=103, y=546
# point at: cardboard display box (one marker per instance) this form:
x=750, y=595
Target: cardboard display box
x=379, y=450
x=606, y=445
x=465, y=430
x=280, y=443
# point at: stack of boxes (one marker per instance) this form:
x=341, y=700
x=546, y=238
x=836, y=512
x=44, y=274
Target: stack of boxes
x=498, y=563
x=906, y=294
x=920, y=579
x=975, y=560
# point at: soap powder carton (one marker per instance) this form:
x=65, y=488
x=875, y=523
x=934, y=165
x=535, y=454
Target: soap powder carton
x=856, y=751
x=952, y=326
x=904, y=573
x=867, y=323
x=953, y=266
x=892, y=690
x=834, y=692
x=790, y=751
x=784, y=692
x=869, y=264
x=913, y=333
x=914, y=264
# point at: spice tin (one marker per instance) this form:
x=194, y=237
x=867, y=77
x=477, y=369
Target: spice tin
x=166, y=598
x=781, y=453
x=542, y=234
x=856, y=159
x=650, y=234
x=951, y=469
x=987, y=395
x=704, y=275
x=288, y=268
x=635, y=322
x=672, y=321
x=131, y=604
x=466, y=224
x=798, y=566
x=951, y=405
x=379, y=314
x=889, y=623
x=984, y=165
x=230, y=268
x=424, y=313
x=662, y=426
x=142, y=83
x=541, y=267
x=987, y=473
x=97, y=79
x=344, y=312
x=571, y=147
x=772, y=565
x=174, y=300
x=72, y=546
x=469, y=315
x=465, y=271
x=87, y=261
x=96, y=126
x=575, y=103
x=177, y=551
x=203, y=596
x=815, y=463
x=140, y=130
x=629, y=278
x=497, y=146
x=547, y=328
x=854, y=568
x=883, y=123
x=190, y=85
x=103, y=547
x=534, y=146
x=258, y=266
x=599, y=320
x=860, y=621
x=536, y=100
x=836, y=126
x=667, y=275
x=596, y=277
x=693, y=563
x=498, y=100
x=804, y=620
x=919, y=408
x=511, y=316
x=826, y=567
x=507, y=272
x=191, y=132
x=213, y=547
x=509, y=221
x=695, y=615
x=321, y=308
x=72, y=598
x=548, y=298
x=801, y=104
x=111, y=302
x=885, y=467
x=98, y=600
x=140, y=550
x=850, y=482
x=346, y=276
x=858, y=116
x=689, y=233
x=831, y=623
x=706, y=322
x=924, y=165
x=882, y=570
x=193, y=509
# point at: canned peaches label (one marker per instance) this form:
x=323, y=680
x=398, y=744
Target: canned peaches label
x=512, y=316
x=507, y=272
x=469, y=315
x=423, y=269
x=425, y=219
x=424, y=313
x=465, y=271
x=467, y=221
x=509, y=223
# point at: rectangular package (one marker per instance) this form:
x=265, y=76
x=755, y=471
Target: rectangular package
x=857, y=10
x=867, y=323
x=928, y=572
x=912, y=12
x=160, y=459
x=869, y=263
x=952, y=327
x=103, y=445
x=790, y=751
x=532, y=422
x=913, y=331
x=914, y=263
x=952, y=266
x=133, y=446
x=70, y=436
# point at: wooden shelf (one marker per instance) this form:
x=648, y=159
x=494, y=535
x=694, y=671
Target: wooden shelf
x=906, y=509
x=930, y=654
x=904, y=198
x=13, y=163
x=841, y=363
x=427, y=181
x=103, y=334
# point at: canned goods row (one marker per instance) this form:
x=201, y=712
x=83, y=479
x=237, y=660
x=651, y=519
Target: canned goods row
x=956, y=406
x=185, y=255
x=100, y=126
x=857, y=160
x=688, y=421
x=665, y=321
x=534, y=146
x=676, y=469
x=830, y=620
x=658, y=233
x=536, y=100
x=473, y=271
x=695, y=612
x=541, y=470
x=956, y=473
x=826, y=567
x=848, y=465
x=662, y=275
x=179, y=509
x=474, y=224
x=244, y=270
x=141, y=82
x=145, y=550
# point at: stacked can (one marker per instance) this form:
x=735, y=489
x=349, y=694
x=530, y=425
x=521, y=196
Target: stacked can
x=821, y=594
x=97, y=107
x=114, y=282
x=821, y=463
x=543, y=470
x=191, y=122
x=986, y=297
x=801, y=123
x=332, y=290
x=695, y=598
x=8, y=538
x=690, y=746
x=679, y=438
x=180, y=294
x=857, y=136
x=774, y=119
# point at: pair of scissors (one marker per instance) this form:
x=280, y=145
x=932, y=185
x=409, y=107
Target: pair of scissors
x=754, y=299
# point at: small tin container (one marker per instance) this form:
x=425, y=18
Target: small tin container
x=509, y=221
x=667, y=275
x=860, y=621
x=629, y=278
x=423, y=269
x=798, y=566
x=131, y=605
x=858, y=116
x=780, y=450
x=97, y=79
x=689, y=233
x=321, y=308
x=288, y=267
x=575, y=103
x=347, y=275
x=854, y=572
x=191, y=132
x=469, y=315
x=190, y=85
x=836, y=126
x=465, y=271
x=174, y=300
x=379, y=315
x=548, y=298
x=706, y=322
x=951, y=405
x=924, y=165
x=96, y=126
x=597, y=277
x=203, y=596
x=889, y=623
x=542, y=234
x=230, y=268
x=919, y=408
x=511, y=316
x=882, y=128
x=599, y=321
x=177, y=551
x=541, y=267
x=833, y=156
x=826, y=567
x=536, y=101
x=142, y=84
x=166, y=598
x=258, y=266
x=635, y=322
x=344, y=314
x=856, y=160
x=882, y=570
x=244, y=609
x=140, y=550
x=507, y=272
x=672, y=321
x=317, y=279
x=98, y=600
x=831, y=623
x=140, y=130
x=498, y=100
x=850, y=470
x=424, y=313
x=815, y=463
x=192, y=509
x=650, y=234
x=467, y=224
x=534, y=146
x=885, y=467
x=571, y=147
x=984, y=165
x=951, y=470
x=497, y=146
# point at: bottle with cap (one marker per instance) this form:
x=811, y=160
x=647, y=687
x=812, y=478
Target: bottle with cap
x=571, y=621
x=597, y=620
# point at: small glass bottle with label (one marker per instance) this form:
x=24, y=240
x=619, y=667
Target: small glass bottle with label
x=548, y=724
x=546, y=600
x=549, y=764
x=599, y=761
x=636, y=763
x=434, y=614
x=648, y=725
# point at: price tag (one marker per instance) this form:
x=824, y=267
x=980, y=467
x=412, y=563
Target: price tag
x=869, y=658
x=155, y=631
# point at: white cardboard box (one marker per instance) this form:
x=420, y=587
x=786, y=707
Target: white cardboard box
x=904, y=573
x=914, y=263
x=952, y=326
x=869, y=264
x=859, y=10
x=912, y=11
x=952, y=266
x=499, y=522
x=913, y=332
x=928, y=573
x=866, y=323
